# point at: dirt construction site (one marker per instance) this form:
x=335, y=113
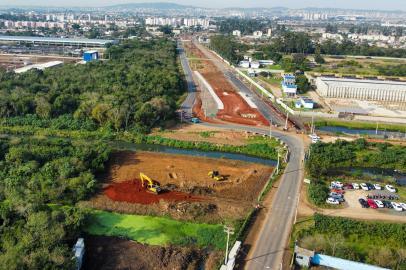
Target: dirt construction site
x=236, y=109
x=188, y=192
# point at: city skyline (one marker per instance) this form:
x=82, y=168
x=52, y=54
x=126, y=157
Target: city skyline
x=345, y=4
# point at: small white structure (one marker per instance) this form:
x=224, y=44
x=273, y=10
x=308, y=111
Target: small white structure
x=79, y=251
x=255, y=64
x=258, y=34
x=244, y=64
x=269, y=32
x=252, y=73
x=266, y=62
x=289, y=86
x=305, y=102
x=237, y=33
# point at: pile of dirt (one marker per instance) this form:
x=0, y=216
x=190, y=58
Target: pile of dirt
x=104, y=253
x=133, y=192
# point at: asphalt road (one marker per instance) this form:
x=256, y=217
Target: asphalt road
x=187, y=105
x=267, y=253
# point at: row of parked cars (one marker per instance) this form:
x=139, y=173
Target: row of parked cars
x=337, y=189
x=370, y=203
x=363, y=186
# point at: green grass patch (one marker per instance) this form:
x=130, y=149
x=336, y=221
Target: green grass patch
x=361, y=125
x=155, y=230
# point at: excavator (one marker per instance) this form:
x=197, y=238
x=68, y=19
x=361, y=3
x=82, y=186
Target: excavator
x=216, y=175
x=150, y=185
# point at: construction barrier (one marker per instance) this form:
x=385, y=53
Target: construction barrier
x=232, y=257
x=211, y=103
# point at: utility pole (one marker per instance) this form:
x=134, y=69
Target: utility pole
x=270, y=130
x=277, y=164
x=377, y=125
x=228, y=230
x=287, y=119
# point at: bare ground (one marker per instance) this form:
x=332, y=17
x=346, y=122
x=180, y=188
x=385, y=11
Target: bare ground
x=229, y=199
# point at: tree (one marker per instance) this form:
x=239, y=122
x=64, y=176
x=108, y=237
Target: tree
x=302, y=83
x=318, y=58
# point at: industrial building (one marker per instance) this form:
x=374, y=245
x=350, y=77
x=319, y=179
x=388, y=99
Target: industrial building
x=80, y=42
x=374, y=90
x=38, y=66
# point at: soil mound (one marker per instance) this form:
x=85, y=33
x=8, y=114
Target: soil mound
x=133, y=192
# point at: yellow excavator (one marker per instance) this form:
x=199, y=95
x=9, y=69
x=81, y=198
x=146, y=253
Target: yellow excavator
x=150, y=185
x=216, y=175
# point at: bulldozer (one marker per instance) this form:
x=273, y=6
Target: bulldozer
x=150, y=185
x=216, y=175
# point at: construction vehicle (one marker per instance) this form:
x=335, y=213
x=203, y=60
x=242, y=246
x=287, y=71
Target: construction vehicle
x=150, y=185
x=216, y=175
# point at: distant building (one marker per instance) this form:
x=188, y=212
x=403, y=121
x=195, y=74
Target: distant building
x=244, y=64
x=266, y=62
x=237, y=33
x=377, y=90
x=255, y=64
x=258, y=34
x=90, y=56
x=289, y=86
x=269, y=32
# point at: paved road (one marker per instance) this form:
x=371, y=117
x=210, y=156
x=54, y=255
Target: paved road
x=273, y=237
x=187, y=105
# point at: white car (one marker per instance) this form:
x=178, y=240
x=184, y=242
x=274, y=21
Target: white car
x=403, y=205
x=379, y=203
x=355, y=185
x=336, y=184
x=397, y=207
x=390, y=188
x=377, y=187
x=364, y=186
x=332, y=201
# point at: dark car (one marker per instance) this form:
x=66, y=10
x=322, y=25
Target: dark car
x=370, y=186
x=363, y=203
x=387, y=204
x=348, y=186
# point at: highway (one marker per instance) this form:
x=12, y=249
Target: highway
x=187, y=105
x=267, y=252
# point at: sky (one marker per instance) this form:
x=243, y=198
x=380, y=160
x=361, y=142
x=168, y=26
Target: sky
x=350, y=4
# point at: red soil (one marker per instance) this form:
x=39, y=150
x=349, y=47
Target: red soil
x=133, y=192
x=236, y=108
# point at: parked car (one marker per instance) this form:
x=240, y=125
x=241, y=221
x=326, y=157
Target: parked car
x=364, y=186
x=336, y=184
x=387, y=204
x=390, y=188
x=348, y=186
x=372, y=204
x=335, y=194
x=377, y=187
x=331, y=200
x=403, y=205
x=338, y=197
x=397, y=207
x=370, y=186
x=363, y=203
x=339, y=191
x=355, y=185
x=379, y=203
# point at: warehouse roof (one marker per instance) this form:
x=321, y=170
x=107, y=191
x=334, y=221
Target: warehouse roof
x=371, y=84
x=100, y=42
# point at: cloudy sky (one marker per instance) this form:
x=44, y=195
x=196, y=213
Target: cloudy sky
x=356, y=4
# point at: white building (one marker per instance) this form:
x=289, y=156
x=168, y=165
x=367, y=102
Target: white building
x=361, y=89
x=269, y=32
x=258, y=34
x=305, y=102
x=289, y=86
x=237, y=33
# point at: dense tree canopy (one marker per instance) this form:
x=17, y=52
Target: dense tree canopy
x=34, y=175
x=136, y=89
